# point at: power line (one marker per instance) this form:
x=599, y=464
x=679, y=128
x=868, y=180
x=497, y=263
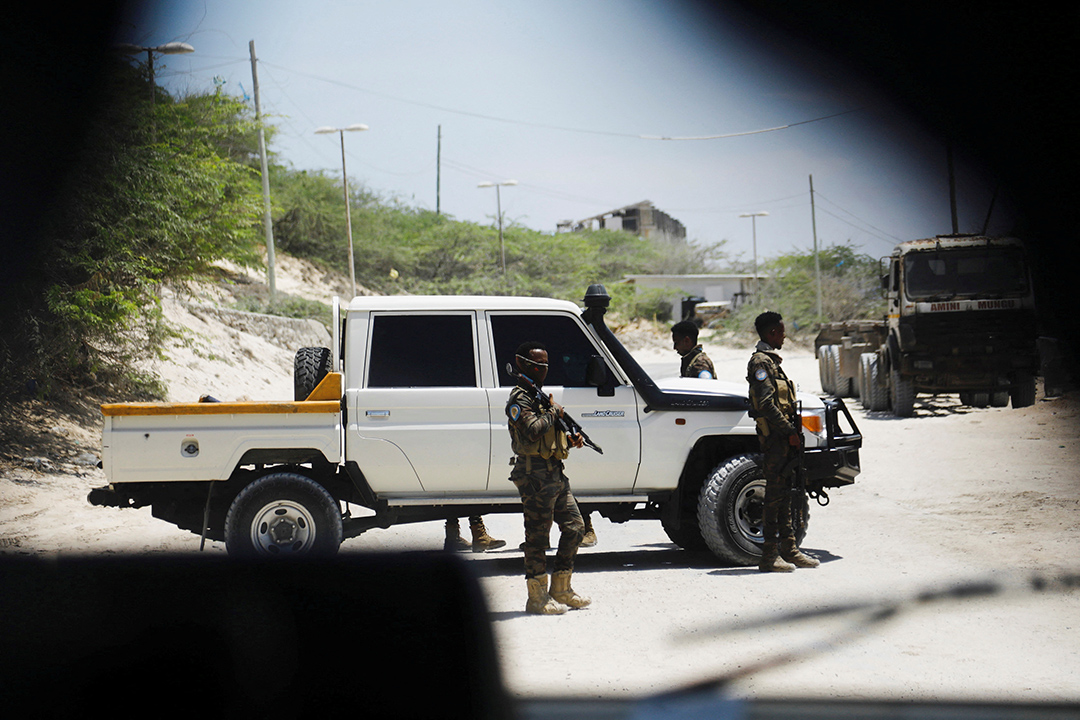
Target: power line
x=547, y=126
x=885, y=236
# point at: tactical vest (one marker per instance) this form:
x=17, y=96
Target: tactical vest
x=784, y=389
x=552, y=444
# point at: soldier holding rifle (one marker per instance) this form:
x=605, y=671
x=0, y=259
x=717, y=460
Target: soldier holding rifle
x=541, y=437
x=772, y=397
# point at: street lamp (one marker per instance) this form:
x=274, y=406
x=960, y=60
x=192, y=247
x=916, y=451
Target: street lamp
x=172, y=48
x=326, y=130
x=753, y=227
x=498, y=208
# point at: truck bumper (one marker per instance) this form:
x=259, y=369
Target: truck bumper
x=836, y=463
x=832, y=467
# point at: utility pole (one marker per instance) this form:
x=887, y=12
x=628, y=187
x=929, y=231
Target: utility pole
x=438, y=170
x=268, y=224
x=817, y=258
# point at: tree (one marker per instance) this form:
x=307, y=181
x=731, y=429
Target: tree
x=850, y=287
x=159, y=193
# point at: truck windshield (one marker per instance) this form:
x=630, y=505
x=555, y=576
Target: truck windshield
x=986, y=271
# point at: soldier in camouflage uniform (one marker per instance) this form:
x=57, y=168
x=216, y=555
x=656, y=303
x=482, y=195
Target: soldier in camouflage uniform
x=695, y=363
x=772, y=396
x=540, y=448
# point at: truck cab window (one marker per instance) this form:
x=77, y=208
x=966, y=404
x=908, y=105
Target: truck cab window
x=569, y=350
x=422, y=351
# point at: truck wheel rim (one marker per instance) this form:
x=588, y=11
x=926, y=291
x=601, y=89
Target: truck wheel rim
x=749, y=510
x=283, y=528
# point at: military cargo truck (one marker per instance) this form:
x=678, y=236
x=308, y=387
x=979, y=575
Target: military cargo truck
x=960, y=319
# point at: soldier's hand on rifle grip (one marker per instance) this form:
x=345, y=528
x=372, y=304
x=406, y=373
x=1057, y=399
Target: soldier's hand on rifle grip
x=576, y=440
x=555, y=406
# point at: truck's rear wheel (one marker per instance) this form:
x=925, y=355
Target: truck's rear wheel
x=873, y=395
x=1023, y=390
x=840, y=382
x=283, y=515
x=310, y=366
x=901, y=394
x=731, y=510
x=823, y=369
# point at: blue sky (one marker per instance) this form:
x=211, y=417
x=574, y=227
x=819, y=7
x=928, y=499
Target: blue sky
x=556, y=94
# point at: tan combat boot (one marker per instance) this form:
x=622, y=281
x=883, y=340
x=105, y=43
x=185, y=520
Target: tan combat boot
x=771, y=560
x=540, y=603
x=790, y=551
x=563, y=593
x=453, y=540
x=589, y=540
x=481, y=541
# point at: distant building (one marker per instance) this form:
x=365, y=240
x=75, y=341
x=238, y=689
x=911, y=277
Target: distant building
x=640, y=219
x=716, y=294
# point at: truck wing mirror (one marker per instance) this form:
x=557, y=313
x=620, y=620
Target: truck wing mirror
x=596, y=374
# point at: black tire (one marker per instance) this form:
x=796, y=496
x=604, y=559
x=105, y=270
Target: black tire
x=823, y=369
x=687, y=535
x=283, y=515
x=834, y=371
x=841, y=383
x=876, y=397
x=310, y=366
x=1022, y=393
x=901, y=394
x=730, y=510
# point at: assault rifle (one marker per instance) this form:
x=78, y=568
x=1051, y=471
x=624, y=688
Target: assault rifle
x=799, y=505
x=567, y=424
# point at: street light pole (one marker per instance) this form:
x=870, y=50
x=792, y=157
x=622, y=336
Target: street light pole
x=345, y=184
x=753, y=228
x=172, y=48
x=498, y=209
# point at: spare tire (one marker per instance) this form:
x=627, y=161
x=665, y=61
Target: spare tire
x=309, y=368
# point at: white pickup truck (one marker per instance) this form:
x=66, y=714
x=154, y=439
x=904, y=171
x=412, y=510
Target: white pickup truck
x=405, y=416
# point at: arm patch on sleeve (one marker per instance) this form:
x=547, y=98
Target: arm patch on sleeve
x=761, y=374
x=513, y=412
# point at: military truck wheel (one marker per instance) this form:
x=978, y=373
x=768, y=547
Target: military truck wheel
x=731, y=510
x=823, y=369
x=283, y=515
x=999, y=398
x=1023, y=390
x=901, y=394
x=310, y=366
x=841, y=384
x=687, y=535
x=875, y=398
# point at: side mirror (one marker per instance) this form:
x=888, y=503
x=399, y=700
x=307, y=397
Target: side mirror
x=596, y=374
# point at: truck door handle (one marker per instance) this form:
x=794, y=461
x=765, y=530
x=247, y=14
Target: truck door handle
x=377, y=413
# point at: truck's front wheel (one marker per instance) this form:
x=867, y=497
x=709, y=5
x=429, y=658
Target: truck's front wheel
x=283, y=515
x=731, y=510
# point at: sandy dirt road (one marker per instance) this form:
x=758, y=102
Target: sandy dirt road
x=950, y=496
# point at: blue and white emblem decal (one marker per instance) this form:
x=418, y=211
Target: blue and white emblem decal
x=705, y=374
x=514, y=412
x=761, y=375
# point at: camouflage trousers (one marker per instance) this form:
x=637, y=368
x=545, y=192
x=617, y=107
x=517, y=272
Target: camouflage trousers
x=546, y=498
x=776, y=454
